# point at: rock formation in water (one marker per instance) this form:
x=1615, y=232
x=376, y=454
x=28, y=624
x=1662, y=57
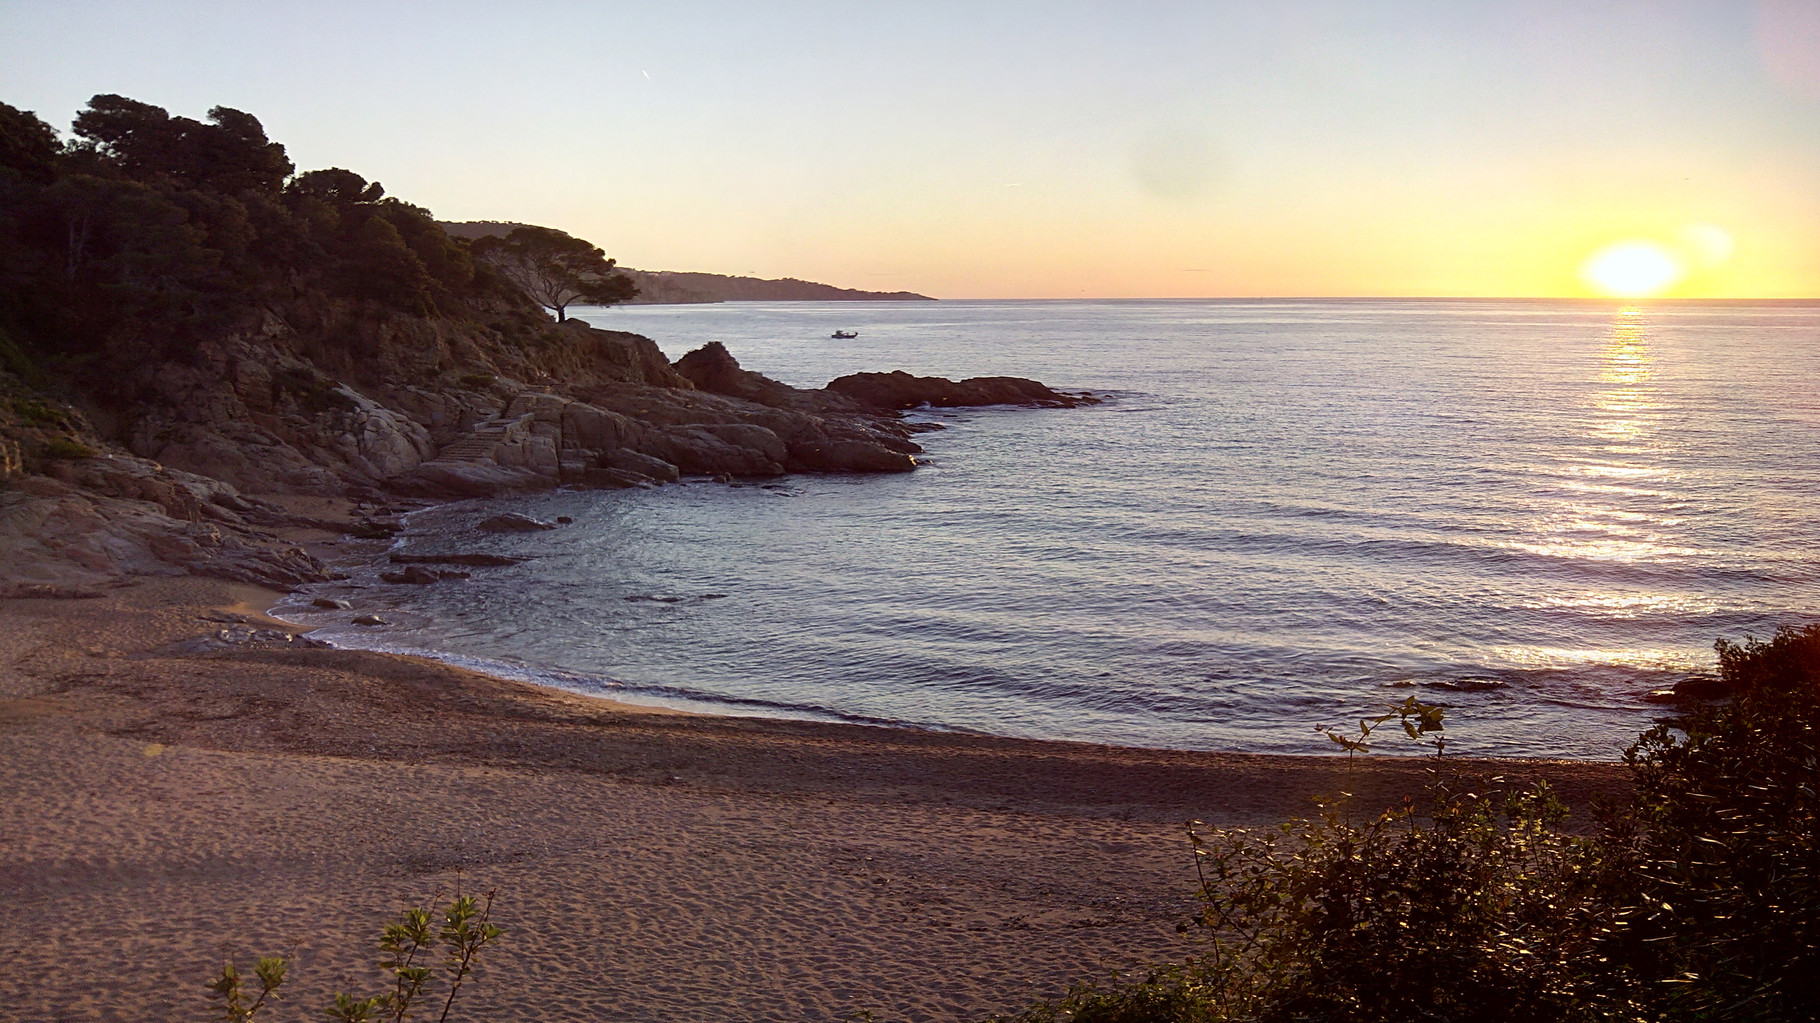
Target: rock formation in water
x=899, y=390
x=186, y=328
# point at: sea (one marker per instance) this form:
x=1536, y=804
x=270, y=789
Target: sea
x=1285, y=517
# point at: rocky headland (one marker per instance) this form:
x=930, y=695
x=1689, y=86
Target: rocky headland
x=186, y=478
x=193, y=336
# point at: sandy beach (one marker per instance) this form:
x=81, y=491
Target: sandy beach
x=164, y=809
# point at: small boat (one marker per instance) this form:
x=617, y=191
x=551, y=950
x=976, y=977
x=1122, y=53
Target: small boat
x=843, y=335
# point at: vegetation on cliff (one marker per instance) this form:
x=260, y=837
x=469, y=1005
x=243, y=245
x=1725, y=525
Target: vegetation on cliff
x=158, y=231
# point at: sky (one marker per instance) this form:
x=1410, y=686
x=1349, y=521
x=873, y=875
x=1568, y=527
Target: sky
x=1036, y=150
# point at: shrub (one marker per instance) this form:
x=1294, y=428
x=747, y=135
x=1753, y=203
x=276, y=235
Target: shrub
x=1474, y=906
x=477, y=381
x=1698, y=902
x=34, y=411
x=1481, y=909
x=1717, y=867
x=68, y=448
x=407, y=946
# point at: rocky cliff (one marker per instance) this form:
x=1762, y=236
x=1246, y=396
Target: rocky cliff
x=189, y=332
x=174, y=478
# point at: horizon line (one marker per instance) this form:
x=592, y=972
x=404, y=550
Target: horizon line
x=1587, y=299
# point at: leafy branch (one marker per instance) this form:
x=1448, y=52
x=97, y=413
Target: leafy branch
x=406, y=945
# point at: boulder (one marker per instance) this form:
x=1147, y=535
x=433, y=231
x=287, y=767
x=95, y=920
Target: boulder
x=714, y=369
x=243, y=454
x=585, y=426
x=372, y=438
x=699, y=450
x=602, y=478
x=629, y=461
x=512, y=522
x=179, y=494
x=617, y=355
x=449, y=478
x=863, y=456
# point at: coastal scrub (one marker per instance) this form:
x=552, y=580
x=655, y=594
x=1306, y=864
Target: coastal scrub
x=1698, y=901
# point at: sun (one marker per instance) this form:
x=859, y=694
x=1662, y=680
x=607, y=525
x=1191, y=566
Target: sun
x=1633, y=269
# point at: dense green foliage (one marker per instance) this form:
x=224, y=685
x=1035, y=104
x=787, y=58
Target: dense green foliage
x=157, y=231
x=1696, y=902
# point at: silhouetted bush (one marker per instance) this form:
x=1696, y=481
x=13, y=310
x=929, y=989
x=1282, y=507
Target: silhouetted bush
x=1716, y=866
x=1697, y=902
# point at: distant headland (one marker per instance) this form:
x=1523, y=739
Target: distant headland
x=678, y=287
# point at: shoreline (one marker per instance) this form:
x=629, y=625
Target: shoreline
x=345, y=552
x=169, y=807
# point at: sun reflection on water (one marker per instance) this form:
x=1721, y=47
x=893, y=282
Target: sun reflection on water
x=1612, y=500
x=1657, y=659
x=1614, y=479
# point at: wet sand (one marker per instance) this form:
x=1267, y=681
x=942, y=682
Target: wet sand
x=165, y=809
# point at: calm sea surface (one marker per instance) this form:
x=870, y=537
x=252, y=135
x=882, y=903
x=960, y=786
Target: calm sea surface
x=1286, y=514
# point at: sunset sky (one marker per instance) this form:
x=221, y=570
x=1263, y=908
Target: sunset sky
x=1036, y=150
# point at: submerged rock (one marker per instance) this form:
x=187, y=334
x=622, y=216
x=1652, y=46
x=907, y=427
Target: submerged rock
x=512, y=522
x=470, y=560
x=331, y=604
x=419, y=576
x=369, y=620
x=1692, y=689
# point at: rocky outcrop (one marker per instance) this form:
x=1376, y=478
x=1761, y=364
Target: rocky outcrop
x=59, y=536
x=900, y=390
x=180, y=495
x=723, y=421
x=512, y=522
x=714, y=369
x=273, y=409
x=431, y=409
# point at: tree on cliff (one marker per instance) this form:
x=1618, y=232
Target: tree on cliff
x=229, y=154
x=555, y=268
